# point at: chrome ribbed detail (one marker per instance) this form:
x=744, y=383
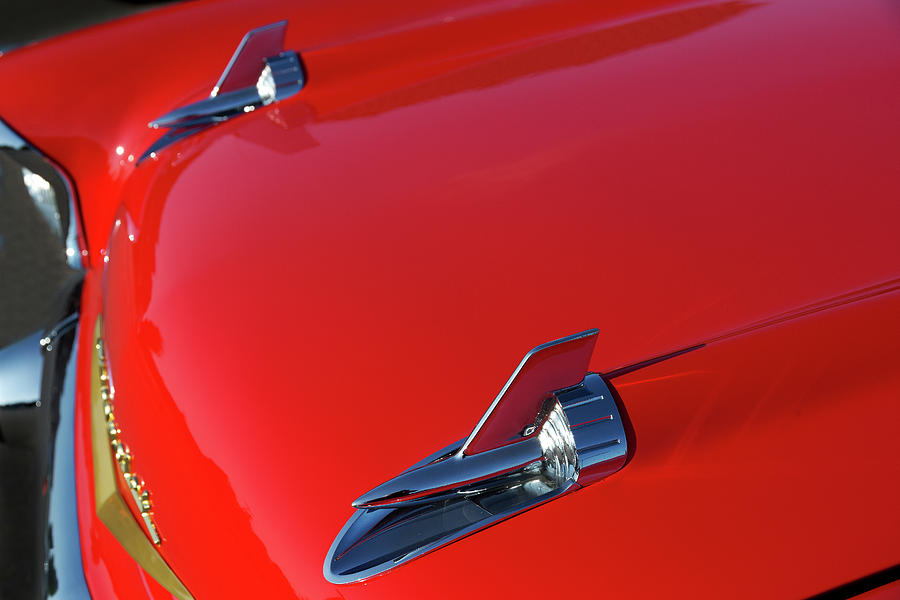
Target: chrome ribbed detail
x=560, y=457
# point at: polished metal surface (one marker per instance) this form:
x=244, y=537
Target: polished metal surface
x=10, y=139
x=559, y=453
x=63, y=549
x=597, y=428
x=37, y=274
x=281, y=78
x=21, y=365
x=260, y=72
x=40, y=257
x=211, y=110
x=63, y=542
x=40, y=291
x=451, y=476
x=567, y=437
x=38, y=511
x=48, y=341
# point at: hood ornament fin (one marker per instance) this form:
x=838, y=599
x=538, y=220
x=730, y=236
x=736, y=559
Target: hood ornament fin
x=552, y=429
x=516, y=415
x=260, y=72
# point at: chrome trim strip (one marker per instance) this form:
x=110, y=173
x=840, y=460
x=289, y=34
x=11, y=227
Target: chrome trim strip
x=64, y=550
x=44, y=423
x=75, y=254
x=10, y=139
x=21, y=365
x=39, y=438
x=42, y=260
x=453, y=474
x=214, y=109
x=47, y=342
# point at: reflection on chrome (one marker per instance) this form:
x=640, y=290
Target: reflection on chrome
x=44, y=198
x=38, y=234
x=453, y=493
x=560, y=457
x=274, y=74
x=265, y=86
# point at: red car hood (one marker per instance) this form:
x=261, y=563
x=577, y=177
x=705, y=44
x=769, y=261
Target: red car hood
x=304, y=301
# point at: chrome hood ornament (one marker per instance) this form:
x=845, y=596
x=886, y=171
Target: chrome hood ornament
x=260, y=72
x=553, y=428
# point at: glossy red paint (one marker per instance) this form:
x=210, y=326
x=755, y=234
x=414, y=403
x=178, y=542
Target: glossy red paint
x=771, y=456
x=890, y=591
x=322, y=293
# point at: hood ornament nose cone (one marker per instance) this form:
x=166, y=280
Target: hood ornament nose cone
x=553, y=428
x=560, y=456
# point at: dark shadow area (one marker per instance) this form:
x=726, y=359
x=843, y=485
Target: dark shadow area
x=860, y=586
x=27, y=22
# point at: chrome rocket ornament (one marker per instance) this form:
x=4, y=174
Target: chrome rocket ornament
x=552, y=429
x=260, y=72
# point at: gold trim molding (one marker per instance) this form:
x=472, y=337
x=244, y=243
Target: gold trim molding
x=111, y=453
